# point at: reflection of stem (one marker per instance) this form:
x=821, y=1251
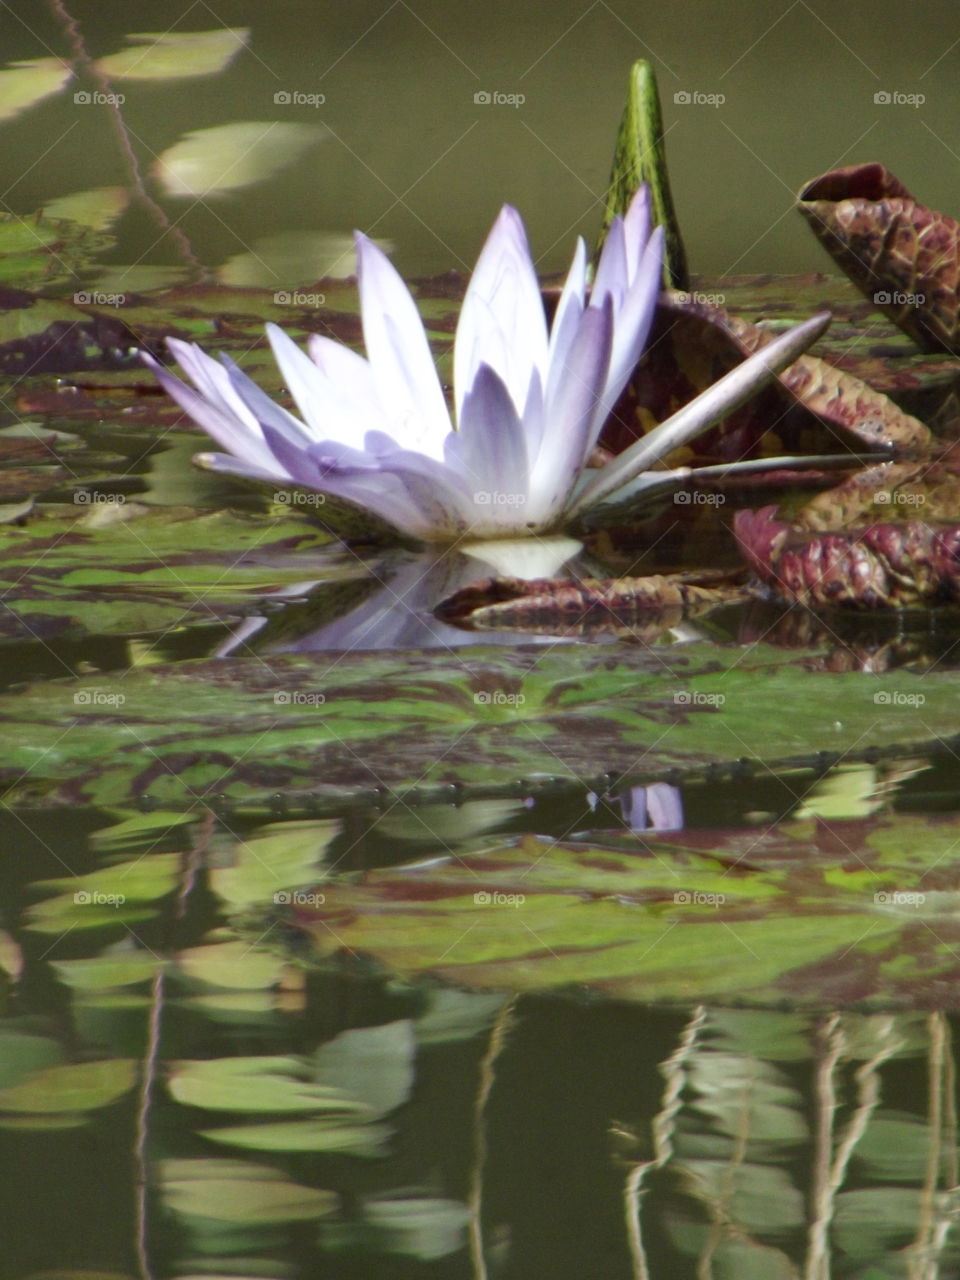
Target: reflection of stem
x=818, y=1261
x=831, y=1173
x=151, y=1055
x=937, y=1215
x=498, y=1037
x=83, y=61
x=674, y=1071
x=140, y=1157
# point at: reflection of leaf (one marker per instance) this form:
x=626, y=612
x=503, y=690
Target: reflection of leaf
x=228, y=156
x=108, y=971
x=172, y=55
x=811, y=924
x=333, y=1136
x=151, y=570
x=21, y=1054
x=98, y=208
x=263, y=1085
x=124, y=892
x=79, y=1086
x=237, y=1191
x=232, y=965
x=421, y=1228
x=277, y=858
x=24, y=83
x=372, y=1064
x=290, y=258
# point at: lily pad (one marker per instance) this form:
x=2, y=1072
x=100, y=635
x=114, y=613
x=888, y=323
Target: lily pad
x=488, y=722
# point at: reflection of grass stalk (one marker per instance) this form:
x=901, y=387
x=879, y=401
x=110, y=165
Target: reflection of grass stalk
x=937, y=1214
x=83, y=62
x=674, y=1071
x=498, y=1038
x=830, y=1171
x=151, y=1055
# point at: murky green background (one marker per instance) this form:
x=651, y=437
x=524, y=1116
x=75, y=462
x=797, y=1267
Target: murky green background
x=411, y=157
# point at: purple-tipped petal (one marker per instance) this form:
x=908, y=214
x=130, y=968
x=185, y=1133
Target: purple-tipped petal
x=226, y=464
x=502, y=321
x=263, y=409
x=409, y=390
x=490, y=450
x=333, y=408
x=611, y=276
x=231, y=432
x=636, y=229
x=632, y=324
x=571, y=410
x=570, y=307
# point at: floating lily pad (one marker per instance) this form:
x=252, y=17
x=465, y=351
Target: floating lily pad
x=245, y=731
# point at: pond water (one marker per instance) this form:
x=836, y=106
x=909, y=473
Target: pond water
x=340, y=938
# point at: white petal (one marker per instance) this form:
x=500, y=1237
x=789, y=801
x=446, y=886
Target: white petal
x=239, y=435
x=411, y=399
x=632, y=323
x=502, y=321
x=636, y=229
x=611, y=276
x=489, y=449
x=571, y=410
x=570, y=307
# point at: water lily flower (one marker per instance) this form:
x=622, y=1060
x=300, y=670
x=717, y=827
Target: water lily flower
x=529, y=401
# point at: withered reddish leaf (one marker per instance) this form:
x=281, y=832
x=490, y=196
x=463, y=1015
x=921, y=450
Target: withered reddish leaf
x=880, y=564
x=694, y=343
x=903, y=256
x=587, y=604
